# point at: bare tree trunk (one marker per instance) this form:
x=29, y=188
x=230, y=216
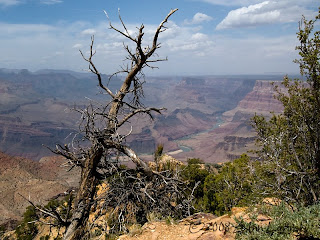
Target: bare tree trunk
x=100, y=142
x=104, y=139
x=85, y=196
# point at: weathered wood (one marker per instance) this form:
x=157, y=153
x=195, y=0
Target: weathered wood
x=85, y=197
x=103, y=140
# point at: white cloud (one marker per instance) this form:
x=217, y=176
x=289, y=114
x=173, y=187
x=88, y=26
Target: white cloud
x=245, y=3
x=77, y=46
x=232, y=2
x=171, y=31
x=189, y=50
x=266, y=12
x=199, y=18
x=88, y=31
x=9, y=2
x=249, y=16
x=255, y=54
x=51, y=2
x=188, y=43
x=199, y=37
x=22, y=29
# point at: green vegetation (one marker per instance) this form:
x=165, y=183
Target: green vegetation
x=300, y=223
x=288, y=169
x=289, y=154
x=158, y=152
x=195, y=174
x=28, y=229
x=2, y=230
x=219, y=188
x=232, y=186
x=288, y=165
x=290, y=142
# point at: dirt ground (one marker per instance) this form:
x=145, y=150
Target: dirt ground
x=197, y=227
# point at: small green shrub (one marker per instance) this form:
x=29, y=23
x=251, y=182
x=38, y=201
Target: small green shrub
x=158, y=152
x=195, y=174
x=2, y=230
x=195, y=161
x=170, y=221
x=28, y=229
x=287, y=223
x=232, y=186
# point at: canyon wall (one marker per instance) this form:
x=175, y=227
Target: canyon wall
x=36, y=108
x=22, y=179
x=206, y=117
x=235, y=134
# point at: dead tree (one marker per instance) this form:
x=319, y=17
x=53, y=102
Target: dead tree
x=99, y=158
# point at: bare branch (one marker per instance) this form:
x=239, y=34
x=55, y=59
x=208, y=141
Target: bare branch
x=98, y=148
x=93, y=68
x=54, y=214
x=65, y=152
x=124, y=26
x=141, y=110
x=139, y=41
x=159, y=29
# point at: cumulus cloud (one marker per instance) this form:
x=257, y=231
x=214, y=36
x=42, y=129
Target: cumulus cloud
x=249, y=16
x=9, y=2
x=189, y=49
x=266, y=12
x=51, y=2
x=188, y=43
x=199, y=18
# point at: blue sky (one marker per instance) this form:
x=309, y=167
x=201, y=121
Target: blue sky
x=204, y=37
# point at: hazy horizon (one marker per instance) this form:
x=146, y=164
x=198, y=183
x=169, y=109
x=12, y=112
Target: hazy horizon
x=249, y=75
x=205, y=37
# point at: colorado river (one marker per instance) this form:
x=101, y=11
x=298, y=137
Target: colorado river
x=184, y=148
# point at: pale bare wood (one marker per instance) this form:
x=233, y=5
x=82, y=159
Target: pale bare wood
x=100, y=125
